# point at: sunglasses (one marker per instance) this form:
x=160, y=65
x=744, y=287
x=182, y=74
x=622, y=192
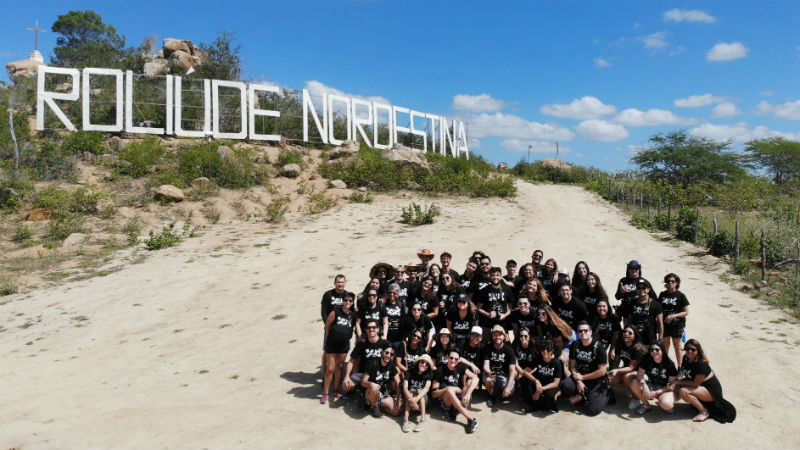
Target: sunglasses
x=388, y=353
x=372, y=328
x=372, y=295
x=416, y=309
x=524, y=336
x=641, y=288
x=690, y=349
x=416, y=336
x=453, y=358
x=347, y=300
x=627, y=332
x=424, y=362
x=584, y=331
x=655, y=350
x=672, y=281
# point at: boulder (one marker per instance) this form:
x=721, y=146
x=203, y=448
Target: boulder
x=404, y=156
x=290, y=171
x=38, y=214
x=23, y=68
x=169, y=192
x=158, y=66
x=338, y=184
x=172, y=45
x=200, y=181
x=348, y=148
x=116, y=144
x=89, y=157
x=64, y=87
x=225, y=152
x=74, y=240
x=183, y=60
x=555, y=164
x=362, y=189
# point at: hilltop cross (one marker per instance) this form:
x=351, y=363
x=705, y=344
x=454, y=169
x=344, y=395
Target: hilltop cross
x=36, y=30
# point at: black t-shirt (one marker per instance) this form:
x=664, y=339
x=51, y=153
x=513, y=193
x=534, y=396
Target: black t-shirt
x=628, y=354
x=631, y=296
x=478, y=283
x=409, y=355
x=493, y=299
x=525, y=356
x=380, y=374
x=343, y=323
x=587, y=357
x=604, y=329
x=449, y=297
x=367, y=351
x=499, y=359
x=673, y=303
x=465, y=280
x=403, y=293
x=416, y=380
x=376, y=312
x=545, y=331
x=330, y=300
x=572, y=312
x=643, y=316
x=590, y=299
x=408, y=325
x=658, y=373
x=447, y=377
x=461, y=327
x=690, y=370
x=546, y=372
x=516, y=318
x=394, y=311
x=439, y=354
x=473, y=354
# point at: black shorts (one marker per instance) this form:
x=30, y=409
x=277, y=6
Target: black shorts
x=335, y=345
x=673, y=331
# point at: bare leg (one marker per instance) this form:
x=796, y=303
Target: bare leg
x=678, y=350
x=451, y=400
x=329, y=369
x=337, y=371
x=666, y=401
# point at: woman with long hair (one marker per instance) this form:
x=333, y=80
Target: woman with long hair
x=676, y=308
x=410, y=351
x=579, y=276
x=606, y=325
x=460, y=320
x=416, y=386
x=449, y=291
x=661, y=374
x=441, y=347
x=551, y=327
x=339, y=330
x=536, y=293
x=629, y=352
x=549, y=274
x=361, y=297
x=591, y=293
x=522, y=317
x=698, y=386
x=427, y=298
x=526, y=355
x=526, y=273
x=435, y=272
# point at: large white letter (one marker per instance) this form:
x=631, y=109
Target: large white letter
x=357, y=123
x=346, y=101
x=215, y=85
x=420, y=133
x=129, y=128
x=255, y=111
x=44, y=97
x=87, y=119
x=397, y=128
x=179, y=131
x=321, y=127
x=434, y=121
x=388, y=109
x=461, y=143
x=447, y=137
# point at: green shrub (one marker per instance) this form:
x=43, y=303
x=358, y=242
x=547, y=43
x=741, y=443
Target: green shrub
x=13, y=190
x=8, y=286
x=360, y=197
x=168, y=236
x=21, y=233
x=416, y=215
x=684, y=229
x=84, y=202
x=275, y=210
x=494, y=187
x=78, y=142
x=289, y=156
x=639, y=219
x=141, y=155
x=53, y=199
x=722, y=244
x=50, y=162
x=661, y=221
x=320, y=202
x=60, y=227
x=236, y=172
x=369, y=169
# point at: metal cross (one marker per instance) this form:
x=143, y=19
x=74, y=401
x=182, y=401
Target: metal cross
x=36, y=30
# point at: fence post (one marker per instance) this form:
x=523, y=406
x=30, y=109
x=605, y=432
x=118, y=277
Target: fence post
x=659, y=204
x=696, y=226
x=736, y=245
x=648, y=211
x=715, y=224
x=797, y=261
x=763, y=256
x=669, y=215
x=641, y=201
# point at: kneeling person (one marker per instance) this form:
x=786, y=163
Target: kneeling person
x=453, y=386
x=376, y=380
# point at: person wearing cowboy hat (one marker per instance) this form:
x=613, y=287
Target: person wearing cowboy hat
x=426, y=256
x=416, y=385
x=499, y=368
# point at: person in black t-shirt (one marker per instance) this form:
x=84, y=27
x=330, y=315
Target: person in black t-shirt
x=441, y=347
x=592, y=293
x=588, y=364
x=511, y=273
x=446, y=258
x=522, y=317
x=499, y=368
x=536, y=260
x=644, y=314
x=629, y=352
x=547, y=374
x=526, y=355
x=453, y=385
x=465, y=280
x=372, y=309
x=661, y=374
x=570, y=308
x=579, y=275
x=416, y=385
x=417, y=320
x=362, y=354
x=460, y=320
x=494, y=301
x=605, y=325
x=480, y=280
x=626, y=288
x=526, y=274
x=394, y=314
x=379, y=376
x=338, y=332
x=330, y=300
x=472, y=351
x=699, y=386
x=676, y=307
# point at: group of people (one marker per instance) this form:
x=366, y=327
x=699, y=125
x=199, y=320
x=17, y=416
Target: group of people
x=425, y=333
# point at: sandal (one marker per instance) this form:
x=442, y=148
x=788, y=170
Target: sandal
x=702, y=417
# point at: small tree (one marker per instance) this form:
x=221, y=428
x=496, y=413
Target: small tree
x=778, y=156
x=223, y=61
x=85, y=41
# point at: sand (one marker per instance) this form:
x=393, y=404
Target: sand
x=216, y=343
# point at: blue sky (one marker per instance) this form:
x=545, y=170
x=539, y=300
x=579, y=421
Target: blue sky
x=599, y=78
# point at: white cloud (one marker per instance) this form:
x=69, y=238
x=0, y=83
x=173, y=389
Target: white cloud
x=316, y=89
x=677, y=50
x=600, y=62
x=474, y=143
x=601, y=130
x=726, y=109
x=514, y=127
x=788, y=110
x=725, y=51
x=738, y=133
x=477, y=103
x=762, y=108
x=633, y=117
x=694, y=101
x=586, y=107
x=655, y=41
x=692, y=15
x=521, y=146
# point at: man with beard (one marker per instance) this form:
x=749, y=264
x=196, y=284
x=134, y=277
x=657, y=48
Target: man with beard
x=380, y=374
x=453, y=386
x=499, y=368
x=363, y=353
x=493, y=302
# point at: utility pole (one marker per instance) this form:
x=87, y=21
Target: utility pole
x=529, y=153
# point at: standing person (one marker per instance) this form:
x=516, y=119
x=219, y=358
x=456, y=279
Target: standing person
x=331, y=300
x=661, y=374
x=588, y=364
x=644, y=314
x=606, y=325
x=460, y=320
x=425, y=257
x=579, y=276
x=338, y=332
x=416, y=386
x=591, y=293
x=522, y=317
x=446, y=258
x=435, y=272
x=549, y=274
x=536, y=293
x=426, y=297
x=629, y=352
x=449, y=291
x=676, y=308
x=626, y=288
x=363, y=353
x=482, y=279
x=465, y=280
x=568, y=307
x=536, y=260
x=394, y=315
x=699, y=386
x=453, y=385
x=372, y=309
x=547, y=375
x=361, y=297
x=526, y=274
x=499, y=368
x=379, y=376
x=511, y=273
x=403, y=284
x=417, y=320
x=493, y=302
x=526, y=355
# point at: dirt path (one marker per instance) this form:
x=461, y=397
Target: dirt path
x=217, y=343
